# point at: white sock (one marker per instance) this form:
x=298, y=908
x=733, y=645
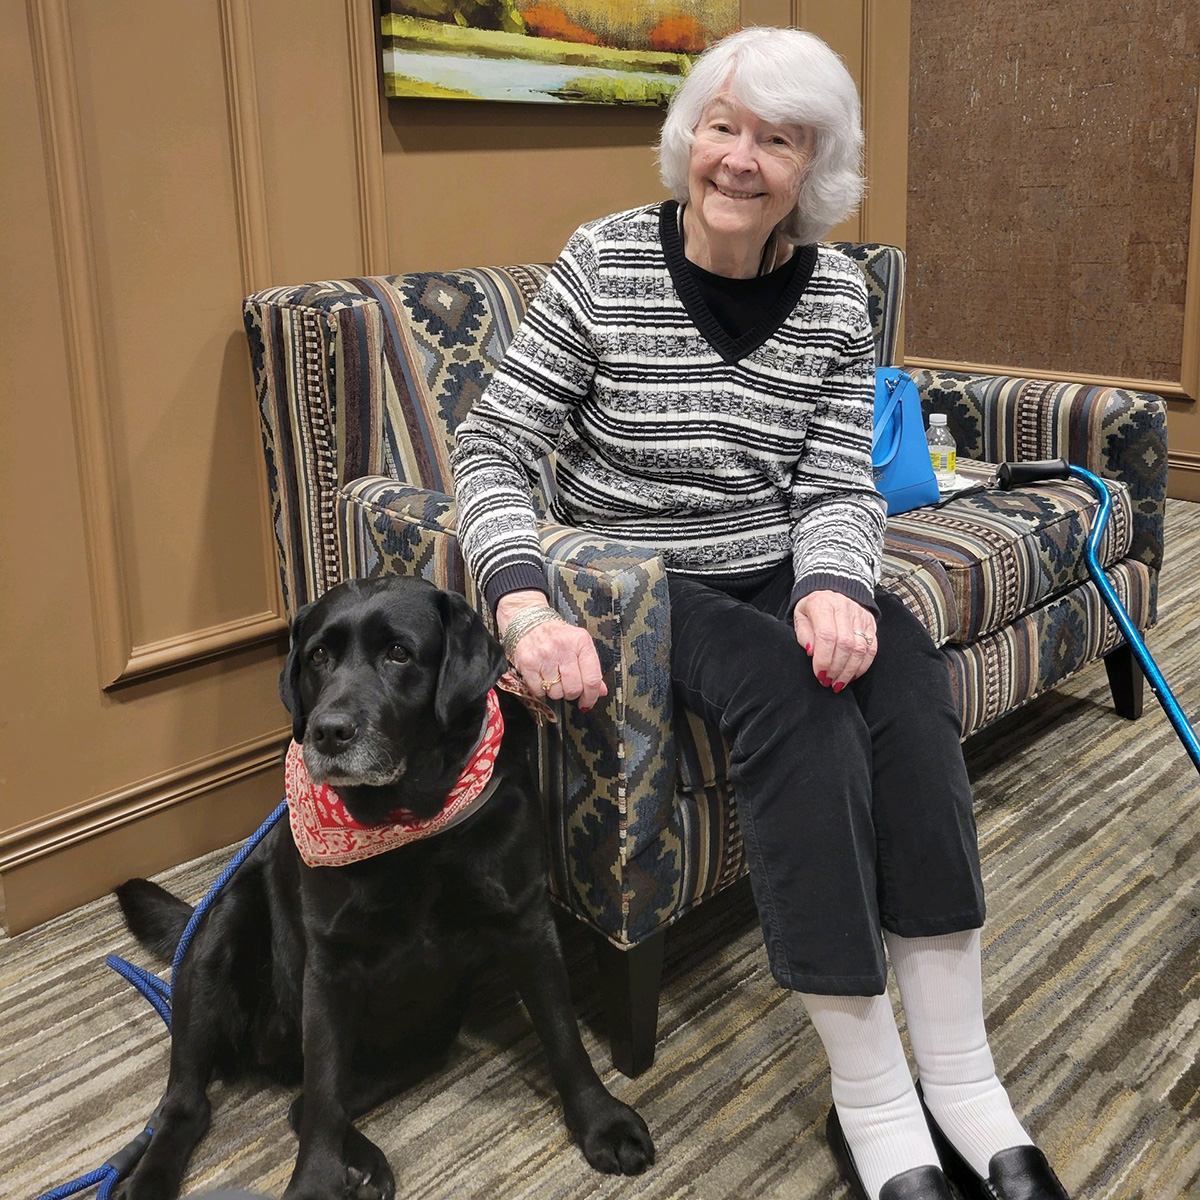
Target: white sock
x=941, y=987
x=872, y=1088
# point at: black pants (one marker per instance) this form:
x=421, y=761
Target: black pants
x=855, y=807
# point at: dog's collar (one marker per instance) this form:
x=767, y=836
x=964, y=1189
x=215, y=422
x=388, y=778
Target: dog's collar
x=328, y=836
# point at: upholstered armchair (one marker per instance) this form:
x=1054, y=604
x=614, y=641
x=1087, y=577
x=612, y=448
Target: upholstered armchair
x=361, y=384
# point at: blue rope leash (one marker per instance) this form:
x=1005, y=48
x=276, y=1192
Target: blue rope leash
x=158, y=993
x=100, y=1176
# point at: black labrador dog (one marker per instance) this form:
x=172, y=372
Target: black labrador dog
x=353, y=979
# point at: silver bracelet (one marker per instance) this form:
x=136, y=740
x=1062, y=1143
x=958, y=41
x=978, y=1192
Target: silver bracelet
x=523, y=621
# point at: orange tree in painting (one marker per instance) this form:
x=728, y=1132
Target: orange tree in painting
x=549, y=21
x=677, y=35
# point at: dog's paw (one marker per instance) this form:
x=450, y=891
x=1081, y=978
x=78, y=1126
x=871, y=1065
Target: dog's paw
x=344, y=1183
x=148, y=1185
x=614, y=1139
x=368, y=1173
x=362, y=1185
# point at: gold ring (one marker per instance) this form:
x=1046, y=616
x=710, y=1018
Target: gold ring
x=862, y=633
x=547, y=684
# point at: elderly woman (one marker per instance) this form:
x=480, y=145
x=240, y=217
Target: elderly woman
x=703, y=371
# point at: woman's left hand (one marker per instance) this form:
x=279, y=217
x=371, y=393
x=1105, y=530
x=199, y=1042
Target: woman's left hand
x=838, y=634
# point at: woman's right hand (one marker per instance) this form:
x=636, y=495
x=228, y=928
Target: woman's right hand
x=554, y=653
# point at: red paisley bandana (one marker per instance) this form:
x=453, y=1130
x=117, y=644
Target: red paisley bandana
x=328, y=836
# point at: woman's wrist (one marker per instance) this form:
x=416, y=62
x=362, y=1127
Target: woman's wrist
x=512, y=603
x=522, y=621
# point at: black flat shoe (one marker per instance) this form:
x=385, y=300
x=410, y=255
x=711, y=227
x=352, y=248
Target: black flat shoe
x=919, y=1183
x=1018, y=1173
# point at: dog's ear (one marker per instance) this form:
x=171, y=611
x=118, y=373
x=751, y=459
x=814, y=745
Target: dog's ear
x=289, y=677
x=472, y=660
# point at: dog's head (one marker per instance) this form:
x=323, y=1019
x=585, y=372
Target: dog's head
x=386, y=681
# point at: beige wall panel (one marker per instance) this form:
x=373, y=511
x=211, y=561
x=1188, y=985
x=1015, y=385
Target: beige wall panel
x=168, y=272
x=475, y=183
x=64, y=744
x=306, y=110
x=44, y=599
x=766, y=12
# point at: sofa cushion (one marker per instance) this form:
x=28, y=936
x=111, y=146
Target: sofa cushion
x=1005, y=553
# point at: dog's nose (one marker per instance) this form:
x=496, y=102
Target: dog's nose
x=333, y=732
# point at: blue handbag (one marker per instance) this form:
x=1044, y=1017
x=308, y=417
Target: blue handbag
x=899, y=451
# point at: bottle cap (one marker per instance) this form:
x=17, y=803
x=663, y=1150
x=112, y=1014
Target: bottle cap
x=937, y=418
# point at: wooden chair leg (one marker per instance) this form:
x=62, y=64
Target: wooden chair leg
x=1125, y=681
x=630, y=981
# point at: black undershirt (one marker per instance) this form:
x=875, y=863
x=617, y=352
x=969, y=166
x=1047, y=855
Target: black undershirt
x=741, y=305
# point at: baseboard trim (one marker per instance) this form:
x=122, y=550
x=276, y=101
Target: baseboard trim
x=49, y=835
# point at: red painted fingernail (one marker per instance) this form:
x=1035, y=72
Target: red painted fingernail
x=837, y=687
x=823, y=678
x=582, y=709
x=808, y=649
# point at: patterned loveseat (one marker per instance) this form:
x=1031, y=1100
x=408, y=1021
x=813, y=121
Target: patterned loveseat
x=361, y=384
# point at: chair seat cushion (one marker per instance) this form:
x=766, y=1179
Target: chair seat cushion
x=1003, y=553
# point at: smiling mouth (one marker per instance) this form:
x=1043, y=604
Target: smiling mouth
x=732, y=195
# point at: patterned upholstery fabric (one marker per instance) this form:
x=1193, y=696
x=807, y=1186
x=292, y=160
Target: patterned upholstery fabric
x=1004, y=553
x=360, y=385
x=1118, y=434
x=1037, y=652
x=371, y=377
x=883, y=269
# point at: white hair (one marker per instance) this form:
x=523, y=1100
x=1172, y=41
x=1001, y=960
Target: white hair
x=786, y=77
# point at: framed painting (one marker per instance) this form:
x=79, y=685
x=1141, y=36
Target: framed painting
x=548, y=51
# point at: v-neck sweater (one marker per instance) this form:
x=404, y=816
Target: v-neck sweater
x=726, y=455
x=741, y=306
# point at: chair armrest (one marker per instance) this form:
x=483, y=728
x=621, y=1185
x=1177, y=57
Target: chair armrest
x=1114, y=432
x=610, y=773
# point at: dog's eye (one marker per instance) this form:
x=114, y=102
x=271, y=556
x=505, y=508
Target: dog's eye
x=319, y=655
x=398, y=653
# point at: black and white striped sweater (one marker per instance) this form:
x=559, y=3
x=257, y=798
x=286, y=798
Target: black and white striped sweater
x=725, y=455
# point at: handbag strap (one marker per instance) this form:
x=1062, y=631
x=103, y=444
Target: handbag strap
x=885, y=422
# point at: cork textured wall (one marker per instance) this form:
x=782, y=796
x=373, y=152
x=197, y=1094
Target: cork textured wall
x=1051, y=152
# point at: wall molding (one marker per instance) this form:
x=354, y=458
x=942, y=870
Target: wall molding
x=200, y=645
x=254, y=244
x=1189, y=370
x=368, y=136
x=62, y=139
x=1160, y=387
x=245, y=135
x=119, y=658
x=49, y=835
x=885, y=56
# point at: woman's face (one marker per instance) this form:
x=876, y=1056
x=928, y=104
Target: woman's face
x=744, y=173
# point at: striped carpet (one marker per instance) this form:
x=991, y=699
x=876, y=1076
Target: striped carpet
x=1091, y=845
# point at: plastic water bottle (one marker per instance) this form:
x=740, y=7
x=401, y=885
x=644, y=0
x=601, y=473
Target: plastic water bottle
x=942, y=450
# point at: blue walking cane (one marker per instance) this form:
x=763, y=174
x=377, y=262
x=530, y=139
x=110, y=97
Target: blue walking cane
x=1011, y=475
